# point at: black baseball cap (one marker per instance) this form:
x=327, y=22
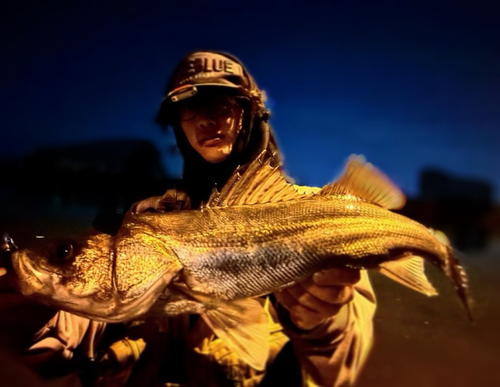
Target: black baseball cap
x=202, y=71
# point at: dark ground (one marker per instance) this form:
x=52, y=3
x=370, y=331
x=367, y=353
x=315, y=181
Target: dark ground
x=429, y=342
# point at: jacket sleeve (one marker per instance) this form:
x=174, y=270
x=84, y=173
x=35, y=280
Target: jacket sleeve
x=65, y=337
x=333, y=353
x=40, y=346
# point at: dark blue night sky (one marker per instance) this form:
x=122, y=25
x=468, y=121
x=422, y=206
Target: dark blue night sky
x=409, y=86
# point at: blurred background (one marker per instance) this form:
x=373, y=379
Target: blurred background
x=414, y=87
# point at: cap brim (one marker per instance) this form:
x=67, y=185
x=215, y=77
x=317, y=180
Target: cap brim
x=225, y=84
x=167, y=102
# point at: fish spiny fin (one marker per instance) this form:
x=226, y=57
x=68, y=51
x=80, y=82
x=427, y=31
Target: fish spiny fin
x=242, y=326
x=362, y=179
x=213, y=200
x=256, y=184
x=260, y=183
x=217, y=198
x=409, y=271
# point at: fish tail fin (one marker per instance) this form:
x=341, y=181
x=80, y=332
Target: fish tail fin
x=455, y=272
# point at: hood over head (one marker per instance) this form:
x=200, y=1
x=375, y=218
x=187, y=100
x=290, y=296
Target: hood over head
x=215, y=72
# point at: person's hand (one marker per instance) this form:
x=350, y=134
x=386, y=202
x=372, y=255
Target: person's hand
x=172, y=200
x=319, y=297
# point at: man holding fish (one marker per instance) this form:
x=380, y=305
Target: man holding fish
x=197, y=261
x=320, y=329
x=220, y=122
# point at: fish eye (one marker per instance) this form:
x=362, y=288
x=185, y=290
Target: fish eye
x=64, y=253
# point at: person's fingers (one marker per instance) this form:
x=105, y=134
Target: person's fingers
x=305, y=319
x=336, y=277
x=145, y=205
x=330, y=294
x=286, y=299
x=142, y=206
x=181, y=200
x=327, y=307
x=319, y=297
x=301, y=316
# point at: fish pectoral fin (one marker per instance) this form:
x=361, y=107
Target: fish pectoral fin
x=409, y=271
x=364, y=180
x=243, y=327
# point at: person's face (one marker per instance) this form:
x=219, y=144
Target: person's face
x=211, y=125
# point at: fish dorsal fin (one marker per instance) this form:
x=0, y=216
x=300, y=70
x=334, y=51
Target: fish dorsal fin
x=409, y=271
x=362, y=179
x=259, y=183
x=213, y=200
x=242, y=326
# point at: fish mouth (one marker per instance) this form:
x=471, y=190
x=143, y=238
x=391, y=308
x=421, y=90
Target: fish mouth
x=37, y=283
x=31, y=280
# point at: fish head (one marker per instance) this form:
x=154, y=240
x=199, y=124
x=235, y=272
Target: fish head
x=70, y=274
x=102, y=277
x=145, y=264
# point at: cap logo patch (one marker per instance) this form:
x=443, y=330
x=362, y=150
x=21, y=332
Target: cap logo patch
x=209, y=66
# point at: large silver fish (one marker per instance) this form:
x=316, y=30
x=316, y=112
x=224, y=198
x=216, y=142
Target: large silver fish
x=259, y=234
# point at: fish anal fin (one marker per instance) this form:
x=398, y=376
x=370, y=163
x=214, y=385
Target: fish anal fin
x=409, y=271
x=242, y=326
x=362, y=179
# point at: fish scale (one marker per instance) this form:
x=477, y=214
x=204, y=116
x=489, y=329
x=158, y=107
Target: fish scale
x=224, y=250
